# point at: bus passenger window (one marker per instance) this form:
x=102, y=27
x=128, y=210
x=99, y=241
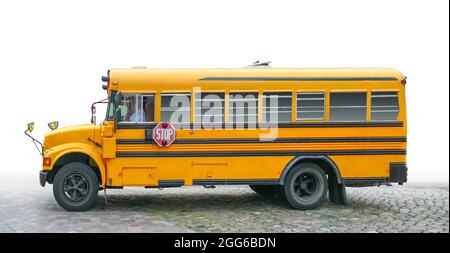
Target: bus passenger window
x=176, y=108
x=129, y=108
x=149, y=107
x=277, y=107
x=209, y=109
x=243, y=108
x=311, y=106
x=384, y=106
x=348, y=106
x=137, y=108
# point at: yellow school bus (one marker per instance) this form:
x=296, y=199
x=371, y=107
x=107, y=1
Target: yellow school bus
x=299, y=134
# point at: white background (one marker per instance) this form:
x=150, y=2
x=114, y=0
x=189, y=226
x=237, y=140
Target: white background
x=52, y=54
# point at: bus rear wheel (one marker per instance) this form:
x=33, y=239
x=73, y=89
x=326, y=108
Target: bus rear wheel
x=306, y=186
x=76, y=187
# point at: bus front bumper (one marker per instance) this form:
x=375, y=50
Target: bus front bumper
x=43, y=175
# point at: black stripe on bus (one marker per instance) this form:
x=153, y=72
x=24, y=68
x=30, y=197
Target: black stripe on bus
x=235, y=181
x=368, y=180
x=397, y=164
x=261, y=153
x=347, y=181
x=170, y=183
x=246, y=78
x=265, y=126
x=258, y=140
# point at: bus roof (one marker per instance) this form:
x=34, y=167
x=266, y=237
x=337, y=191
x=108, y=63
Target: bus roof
x=146, y=78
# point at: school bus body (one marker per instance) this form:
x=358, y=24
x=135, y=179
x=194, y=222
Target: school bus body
x=357, y=153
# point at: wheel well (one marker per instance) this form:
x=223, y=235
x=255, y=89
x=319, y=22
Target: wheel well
x=323, y=162
x=76, y=157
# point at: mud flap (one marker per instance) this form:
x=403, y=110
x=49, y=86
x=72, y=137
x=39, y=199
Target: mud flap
x=337, y=192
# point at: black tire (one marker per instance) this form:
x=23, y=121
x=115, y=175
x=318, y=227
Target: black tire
x=76, y=187
x=265, y=190
x=306, y=186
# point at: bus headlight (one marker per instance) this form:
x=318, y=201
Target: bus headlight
x=53, y=125
x=30, y=127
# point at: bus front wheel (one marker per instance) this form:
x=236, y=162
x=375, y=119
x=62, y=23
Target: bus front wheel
x=76, y=187
x=306, y=186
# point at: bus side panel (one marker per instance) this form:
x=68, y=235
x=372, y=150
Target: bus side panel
x=366, y=166
x=149, y=171
x=133, y=172
x=259, y=167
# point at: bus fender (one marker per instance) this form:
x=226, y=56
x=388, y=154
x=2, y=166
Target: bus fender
x=88, y=150
x=298, y=159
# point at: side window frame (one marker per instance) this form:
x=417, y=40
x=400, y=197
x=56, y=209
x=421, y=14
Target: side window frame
x=396, y=106
x=263, y=111
x=163, y=109
x=366, y=105
x=310, y=92
x=140, y=98
x=198, y=114
x=232, y=116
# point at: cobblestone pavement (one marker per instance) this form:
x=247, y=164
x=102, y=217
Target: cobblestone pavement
x=227, y=209
x=33, y=209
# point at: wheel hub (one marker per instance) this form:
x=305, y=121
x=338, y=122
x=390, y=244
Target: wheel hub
x=75, y=187
x=305, y=185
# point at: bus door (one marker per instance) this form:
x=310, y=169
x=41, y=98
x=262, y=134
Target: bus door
x=137, y=115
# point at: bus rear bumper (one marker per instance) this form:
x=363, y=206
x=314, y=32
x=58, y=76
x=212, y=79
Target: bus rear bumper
x=43, y=177
x=398, y=173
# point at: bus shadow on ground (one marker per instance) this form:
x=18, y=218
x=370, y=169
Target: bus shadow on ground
x=172, y=202
x=207, y=201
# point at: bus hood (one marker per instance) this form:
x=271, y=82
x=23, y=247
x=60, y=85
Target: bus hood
x=73, y=134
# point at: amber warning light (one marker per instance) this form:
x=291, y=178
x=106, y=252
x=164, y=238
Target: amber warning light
x=47, y=161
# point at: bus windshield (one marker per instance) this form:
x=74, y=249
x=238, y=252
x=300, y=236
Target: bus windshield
x=111, y=109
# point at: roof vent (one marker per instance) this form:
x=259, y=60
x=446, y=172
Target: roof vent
x=258, y=64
